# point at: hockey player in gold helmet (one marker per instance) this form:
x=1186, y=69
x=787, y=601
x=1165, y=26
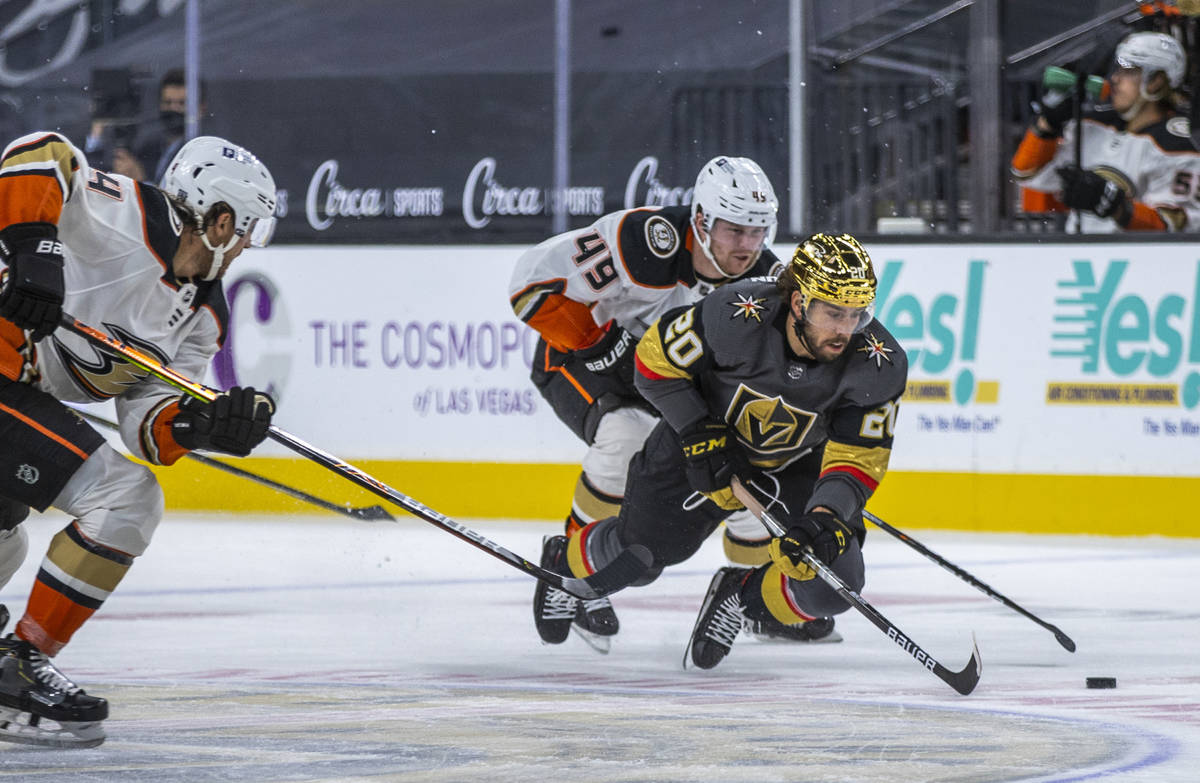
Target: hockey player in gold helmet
x=790, y=385
x=832, y=289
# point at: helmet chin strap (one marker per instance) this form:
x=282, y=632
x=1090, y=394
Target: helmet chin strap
x=218, y=252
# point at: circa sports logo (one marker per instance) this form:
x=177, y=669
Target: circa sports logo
x=327, y=198
x=485, y=197
x=645, y=189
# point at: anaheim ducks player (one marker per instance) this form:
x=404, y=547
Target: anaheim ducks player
x=591, y=293
x=1140, y=168
x=145, y=266
x=789, y=384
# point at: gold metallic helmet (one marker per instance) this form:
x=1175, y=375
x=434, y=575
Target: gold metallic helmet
x=833, y=269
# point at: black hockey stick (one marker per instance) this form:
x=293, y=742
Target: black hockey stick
x=625, y=569
x=366, y=513
x=1062, y=638
x=962, y=681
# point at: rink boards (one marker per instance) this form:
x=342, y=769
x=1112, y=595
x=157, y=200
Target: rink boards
x=1061, y=379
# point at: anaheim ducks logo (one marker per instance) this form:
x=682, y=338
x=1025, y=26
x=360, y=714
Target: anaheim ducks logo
x=104, y=375
x=768, y=424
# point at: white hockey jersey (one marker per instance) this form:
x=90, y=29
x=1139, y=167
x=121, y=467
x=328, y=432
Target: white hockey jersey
x=1158, y=166
x=630, y=266
x=118, y=237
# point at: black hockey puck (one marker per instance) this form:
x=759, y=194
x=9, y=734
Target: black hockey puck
x=1102, y=682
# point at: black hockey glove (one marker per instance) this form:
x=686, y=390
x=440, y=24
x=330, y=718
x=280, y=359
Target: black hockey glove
x=820, y=532
x=712, y=457
x=1088, y=191
x=31, y=294
x=1055, y=107
x=234, y=423
x=612, y=355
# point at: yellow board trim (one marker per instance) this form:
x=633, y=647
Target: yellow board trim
x=988, y=502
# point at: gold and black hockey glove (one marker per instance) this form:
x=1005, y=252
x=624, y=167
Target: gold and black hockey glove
x=712, y=457
x=31, y=294
x=234, y=423
x=820, y=533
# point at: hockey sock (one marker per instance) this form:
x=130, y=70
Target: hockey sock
x=590, y=504
x=766, y=593
x=744, y=552
x=75, y=578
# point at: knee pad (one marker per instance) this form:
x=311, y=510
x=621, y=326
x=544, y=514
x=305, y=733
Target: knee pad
x=13, y=546
x=619, y=435
x=117, y=501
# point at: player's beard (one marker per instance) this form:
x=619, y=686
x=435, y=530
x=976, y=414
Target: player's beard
x=817, y=349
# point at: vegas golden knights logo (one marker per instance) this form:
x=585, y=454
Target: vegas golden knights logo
x=768, y=424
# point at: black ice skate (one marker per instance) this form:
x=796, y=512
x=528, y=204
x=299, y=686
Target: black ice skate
x=596, y=623
x=33, y=690
x=720, y=621
x=554, y=609
x=815, y=631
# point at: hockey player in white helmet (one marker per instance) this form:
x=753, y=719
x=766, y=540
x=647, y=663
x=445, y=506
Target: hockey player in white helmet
x=145, y=265
x=1139, y=168
x=591, y=293
x=737, y=192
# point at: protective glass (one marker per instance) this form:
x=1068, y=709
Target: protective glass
x=838, y=318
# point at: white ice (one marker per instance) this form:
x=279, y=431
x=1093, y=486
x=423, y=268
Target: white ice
x=327, y=649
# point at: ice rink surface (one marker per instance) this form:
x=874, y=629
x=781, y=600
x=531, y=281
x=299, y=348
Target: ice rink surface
x=321, y=649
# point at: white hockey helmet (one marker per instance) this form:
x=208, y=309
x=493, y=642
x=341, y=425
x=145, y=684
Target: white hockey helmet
x=735, y=190
x=208, y=170
x=1153, y=52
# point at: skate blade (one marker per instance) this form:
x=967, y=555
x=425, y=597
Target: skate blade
x=601, y=644
x=23, y=729
x=832, y=638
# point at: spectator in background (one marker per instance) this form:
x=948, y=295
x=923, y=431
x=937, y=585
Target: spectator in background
x=1139, y=169
x=156, y=147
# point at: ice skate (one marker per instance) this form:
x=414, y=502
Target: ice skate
x=817, y=631
x=720, y=621
x=596, y=623
x=34, y=693
x=554, y=609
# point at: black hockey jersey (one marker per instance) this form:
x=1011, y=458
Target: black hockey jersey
x=727, y=357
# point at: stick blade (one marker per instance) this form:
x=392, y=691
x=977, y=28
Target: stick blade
x=627, y=568
x=1066, y=641
x=371, y=514
x=965, y=681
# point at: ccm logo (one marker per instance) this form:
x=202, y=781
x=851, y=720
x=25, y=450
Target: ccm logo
x=49, y=247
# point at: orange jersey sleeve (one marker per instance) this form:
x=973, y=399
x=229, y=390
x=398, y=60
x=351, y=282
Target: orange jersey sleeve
x=35, y=179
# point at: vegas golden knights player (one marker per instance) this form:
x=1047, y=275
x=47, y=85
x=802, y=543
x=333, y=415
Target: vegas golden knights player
x=789, y=384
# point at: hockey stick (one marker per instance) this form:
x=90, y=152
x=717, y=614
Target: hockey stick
x=366, y=513
x=1062, y=638
x=621, y=572
x=962, y=681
